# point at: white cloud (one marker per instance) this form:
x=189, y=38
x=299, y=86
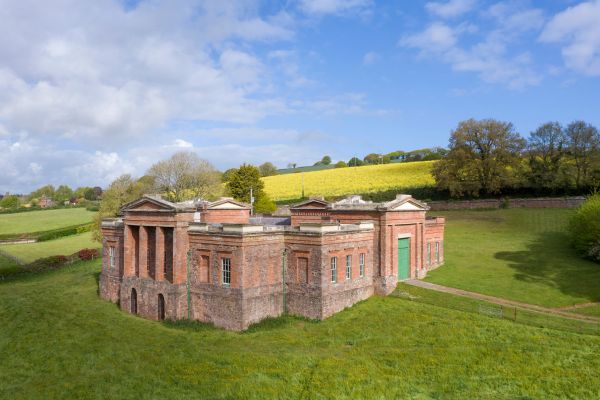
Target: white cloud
x=451, y=8
x=371, y=58
x=489, y=53
x=89, y=73
x=337, y=7
x=578, y=28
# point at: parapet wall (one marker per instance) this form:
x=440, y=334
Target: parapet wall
x=539, y=202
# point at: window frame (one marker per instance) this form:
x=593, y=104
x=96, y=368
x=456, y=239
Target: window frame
x=348, y=266
x=226, y=272
x=361, y=265
x=428, y=253
x=437, y=252
x=333, y=267
x=111, y=256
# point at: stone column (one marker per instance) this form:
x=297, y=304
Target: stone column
x=160, y=254
x=143, y=256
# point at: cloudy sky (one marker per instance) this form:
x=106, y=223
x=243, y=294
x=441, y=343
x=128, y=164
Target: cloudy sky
x=90, y=90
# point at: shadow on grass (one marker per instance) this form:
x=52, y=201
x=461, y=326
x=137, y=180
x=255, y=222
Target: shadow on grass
x=549, y=260
x=266, y=325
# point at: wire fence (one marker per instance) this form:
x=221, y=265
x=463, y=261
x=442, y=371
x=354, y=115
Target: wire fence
x=578, y=323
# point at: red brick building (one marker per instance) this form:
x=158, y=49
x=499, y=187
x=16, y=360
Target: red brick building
x=213, y=262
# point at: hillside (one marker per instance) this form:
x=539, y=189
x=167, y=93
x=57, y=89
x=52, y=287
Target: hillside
x=342, y=181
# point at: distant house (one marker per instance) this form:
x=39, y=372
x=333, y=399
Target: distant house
x=46, y=202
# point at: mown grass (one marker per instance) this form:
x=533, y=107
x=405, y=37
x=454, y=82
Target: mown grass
x=343, y=181
x=514, y=314
x=36, y=221
x=29, y=252
x=592, y=310
x=518, y=254
x=59, y=340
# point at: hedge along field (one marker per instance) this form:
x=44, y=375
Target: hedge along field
x=43, y=220
x=343, y=181
x=29, y=252
x=59, y=340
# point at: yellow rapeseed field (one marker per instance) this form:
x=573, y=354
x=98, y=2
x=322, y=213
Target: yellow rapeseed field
x=342, y=181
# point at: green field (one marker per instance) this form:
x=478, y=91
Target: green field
x=517, y=254
x=29, y=252
x=36, y=221
x=592, y=310
x=343, y=181
x=60, y=341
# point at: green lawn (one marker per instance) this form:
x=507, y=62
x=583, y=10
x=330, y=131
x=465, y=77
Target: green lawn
x=29, y=252
x=517, y=254
x=592, y=310
x=60, y=341
x=35, y=221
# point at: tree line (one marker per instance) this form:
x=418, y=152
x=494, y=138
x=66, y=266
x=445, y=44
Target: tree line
x=60, y=195
x=488, y=157
x=185, y=176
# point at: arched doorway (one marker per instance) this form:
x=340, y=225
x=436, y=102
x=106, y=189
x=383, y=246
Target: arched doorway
x=133, y=301
x=161, y=307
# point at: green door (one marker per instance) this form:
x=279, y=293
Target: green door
x=403, y=259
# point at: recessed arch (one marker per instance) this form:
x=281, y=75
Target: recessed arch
x=133, y=301
x=161, y=307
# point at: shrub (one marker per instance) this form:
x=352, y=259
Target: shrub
x=88, y=254
x=584, y=228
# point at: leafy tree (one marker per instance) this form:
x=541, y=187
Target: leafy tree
x=264, y=205
x=242, y=179
x=227, y=175
x=341, y=164
x=121, y=191
x=63, y=193
x=90, y=194
x=267, y=169
x=10, y=202
x=546, y=151
x=326, y=160
x=584, y=228
x=583, y=143
x=80, y=192
x=355, y=162
x=47, y=191
x=372, y=158
x=184, y=176
x=484, y=157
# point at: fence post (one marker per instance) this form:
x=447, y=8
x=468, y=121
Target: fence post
x=515, y=315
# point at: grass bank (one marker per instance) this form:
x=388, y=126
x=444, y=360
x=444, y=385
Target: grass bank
x=30, y=252
x=517, y=254
x=59, y=340
x=37, y=221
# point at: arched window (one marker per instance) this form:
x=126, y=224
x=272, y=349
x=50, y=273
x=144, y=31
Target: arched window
x=161, y=307
x=133, y=301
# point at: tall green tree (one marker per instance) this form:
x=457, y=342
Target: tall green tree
x=239, y=184
x=47, y=191
x=484, y=157
x=583, y=143
x=267, y=169
x=546, y=155
x=241, y=180
x=10, y=201
x=62, y=194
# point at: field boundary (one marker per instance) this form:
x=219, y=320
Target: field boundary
x=500, y=301
x=534, y=202
x=32, y=237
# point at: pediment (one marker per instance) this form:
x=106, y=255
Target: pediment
x=148, y=204
x=312, y=204
x=408, y=205
x=227, y=204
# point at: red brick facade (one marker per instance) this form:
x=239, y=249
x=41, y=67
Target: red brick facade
x=208, y=262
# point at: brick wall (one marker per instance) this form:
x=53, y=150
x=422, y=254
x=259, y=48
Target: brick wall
x=540, y=202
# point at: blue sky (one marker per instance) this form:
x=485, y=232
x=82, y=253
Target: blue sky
x=89, y=92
